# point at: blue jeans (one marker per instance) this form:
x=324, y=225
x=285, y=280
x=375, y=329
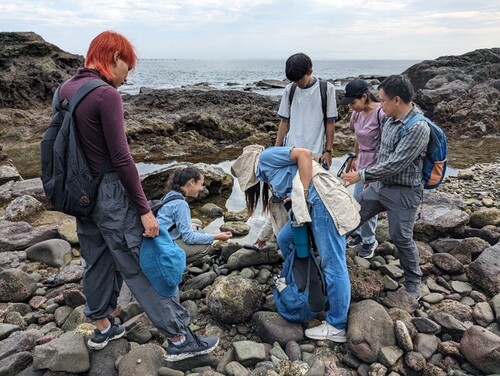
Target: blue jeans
x=331, y=247
x=367, y=229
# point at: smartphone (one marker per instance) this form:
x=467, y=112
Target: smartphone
x=324, y=164
x=251, y=246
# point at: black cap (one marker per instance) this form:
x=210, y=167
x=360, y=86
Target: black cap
x=353, y=90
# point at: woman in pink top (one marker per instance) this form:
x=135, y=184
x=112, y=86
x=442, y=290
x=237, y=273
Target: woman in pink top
x=366, y=119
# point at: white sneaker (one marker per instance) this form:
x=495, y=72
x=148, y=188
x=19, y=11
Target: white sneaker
x=326, y=331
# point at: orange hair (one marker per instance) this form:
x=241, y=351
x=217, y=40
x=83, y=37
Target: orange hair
x=102, y=50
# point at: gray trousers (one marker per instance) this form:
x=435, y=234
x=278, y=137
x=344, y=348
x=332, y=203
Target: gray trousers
x=193, y=252
x=110, y=241
x=401, y=204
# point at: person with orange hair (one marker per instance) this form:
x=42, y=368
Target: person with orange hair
x=111, y=236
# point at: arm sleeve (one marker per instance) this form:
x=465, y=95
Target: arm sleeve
x=111, y=112
x=331, y=102
x=266, y=231
x=183, y=222
x=408, y=149
x=284, y=109
x=276, y=157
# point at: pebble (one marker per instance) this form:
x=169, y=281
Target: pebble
x=433, y=298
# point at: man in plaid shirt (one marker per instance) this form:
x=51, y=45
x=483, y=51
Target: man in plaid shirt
x=396, y=180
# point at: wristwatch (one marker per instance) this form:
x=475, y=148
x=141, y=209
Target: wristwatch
x=327, y=151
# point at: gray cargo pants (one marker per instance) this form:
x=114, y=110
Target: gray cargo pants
x=401, y=203
x=110, y=241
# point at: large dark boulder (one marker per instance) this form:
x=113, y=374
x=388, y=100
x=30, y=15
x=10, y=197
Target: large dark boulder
x=485, y=270
x=460, y=93
x=31, y=69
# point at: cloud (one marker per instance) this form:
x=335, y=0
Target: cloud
x=265, y=28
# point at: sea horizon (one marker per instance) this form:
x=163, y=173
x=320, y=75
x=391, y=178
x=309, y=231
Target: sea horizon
x=268, y=58
x=242, y=74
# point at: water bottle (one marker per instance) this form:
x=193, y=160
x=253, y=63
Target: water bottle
x=300, y=237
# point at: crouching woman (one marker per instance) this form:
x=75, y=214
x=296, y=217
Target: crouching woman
x=316, y=197
x=175, y=215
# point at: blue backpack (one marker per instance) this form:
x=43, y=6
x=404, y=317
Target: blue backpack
x=161, y=259
x=304, y=296
x=163, y=262
x=435, y=161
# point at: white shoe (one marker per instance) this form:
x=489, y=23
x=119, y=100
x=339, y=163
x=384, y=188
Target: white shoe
x=326, y=331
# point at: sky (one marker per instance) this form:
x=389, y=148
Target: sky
x=275, y=29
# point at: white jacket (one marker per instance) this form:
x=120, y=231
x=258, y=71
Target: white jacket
x=339, y=202
x=276, y=219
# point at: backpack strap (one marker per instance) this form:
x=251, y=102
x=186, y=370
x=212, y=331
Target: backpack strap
x=323, y=86
x=290, y=96
x=162, y=202
x=70, y=106
x=82, y=92
x=378, y=117
x=409, y=123
x=55, y=100
x=314, y=248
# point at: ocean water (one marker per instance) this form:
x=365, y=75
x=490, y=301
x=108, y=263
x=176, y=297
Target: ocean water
x=238, y=74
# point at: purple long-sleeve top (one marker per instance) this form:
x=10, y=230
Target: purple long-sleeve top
x=100, y=126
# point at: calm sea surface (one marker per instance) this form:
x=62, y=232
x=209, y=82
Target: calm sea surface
x=171, y=73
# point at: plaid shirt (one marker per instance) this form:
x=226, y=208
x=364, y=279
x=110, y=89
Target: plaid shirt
x=400, y=159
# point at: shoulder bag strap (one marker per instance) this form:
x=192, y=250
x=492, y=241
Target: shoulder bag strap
x=81, y=93
x=323, y=85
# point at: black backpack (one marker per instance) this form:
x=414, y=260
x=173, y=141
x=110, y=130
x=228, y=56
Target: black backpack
x=155, y=205
x=67, y=181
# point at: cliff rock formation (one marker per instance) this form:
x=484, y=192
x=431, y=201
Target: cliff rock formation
x=31, y=69
x=460, y=93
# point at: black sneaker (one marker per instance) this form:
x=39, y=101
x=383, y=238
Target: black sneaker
x=193, y=346
x=354, y=241
x=98, y=340
x=368, y=250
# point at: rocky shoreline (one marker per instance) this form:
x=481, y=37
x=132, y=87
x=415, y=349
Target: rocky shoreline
x=454, y=329
x=461, y=93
